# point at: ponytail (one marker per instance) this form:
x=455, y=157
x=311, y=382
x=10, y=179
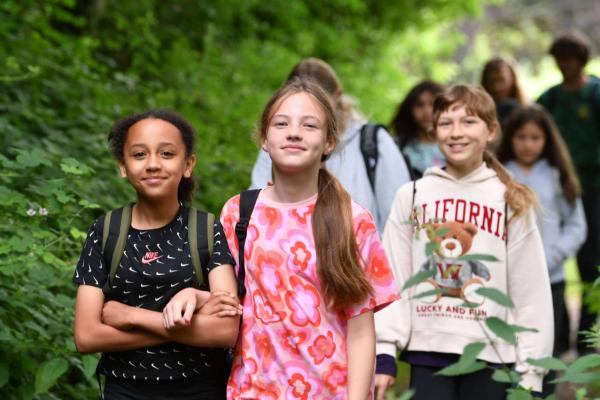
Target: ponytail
x=338, y=267
x=518, y=196
x=186, y=190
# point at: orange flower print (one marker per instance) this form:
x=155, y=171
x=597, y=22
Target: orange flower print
x=240, y=378
x=301, y=382
x=303, y=302
x=300, y=388
x=302, y=214
x=267, y=391
x=269, y=218
x=379, y=271
x=264, y=311
x=300, y=250
x=335, y=377
x=267, y=273
x=364, y=227
x=291, y=341
x=264, y=349
x=323, y=347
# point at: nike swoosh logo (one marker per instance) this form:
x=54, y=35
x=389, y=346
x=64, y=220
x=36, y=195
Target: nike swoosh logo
x=147, y=259
x=175, y=284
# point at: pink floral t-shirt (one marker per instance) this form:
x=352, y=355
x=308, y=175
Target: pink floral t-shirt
x=291, y=346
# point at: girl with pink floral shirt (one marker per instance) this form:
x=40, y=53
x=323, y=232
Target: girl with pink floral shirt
x=315, y=269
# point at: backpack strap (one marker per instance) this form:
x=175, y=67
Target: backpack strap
x=247, y=202
x=201, y=240
x=369, y=150
x=114, y=236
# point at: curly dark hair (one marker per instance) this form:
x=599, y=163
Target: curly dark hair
x=403, y=124
x=118, y=136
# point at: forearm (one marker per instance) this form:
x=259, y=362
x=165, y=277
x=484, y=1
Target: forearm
x=100, y=337
x=361, y=355
x=203, y=331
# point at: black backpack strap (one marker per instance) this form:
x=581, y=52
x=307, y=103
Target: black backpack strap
x=114, y=236
x=247, y=202
x=201, y=241
x=369, y=150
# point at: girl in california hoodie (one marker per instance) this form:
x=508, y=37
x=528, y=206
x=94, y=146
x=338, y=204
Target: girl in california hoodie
x=469, y=226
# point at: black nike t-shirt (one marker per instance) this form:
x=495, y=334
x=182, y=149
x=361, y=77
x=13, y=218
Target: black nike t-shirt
x=156, y=264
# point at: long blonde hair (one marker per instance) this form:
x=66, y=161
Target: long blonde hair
x=342, y=278
x=477, y=101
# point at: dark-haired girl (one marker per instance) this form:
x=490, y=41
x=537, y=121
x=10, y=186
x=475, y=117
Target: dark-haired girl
x=413, y=126
x=157, y=342
x=533, y=150
x=315, y=268
x=499, y=79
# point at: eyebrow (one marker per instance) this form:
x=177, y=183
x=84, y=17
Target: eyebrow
x=161, y=144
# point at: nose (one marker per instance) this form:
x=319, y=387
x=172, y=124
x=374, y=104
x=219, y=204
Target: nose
x=450, y=246
x=293, y=133
x=153, y=162
x=455, y=130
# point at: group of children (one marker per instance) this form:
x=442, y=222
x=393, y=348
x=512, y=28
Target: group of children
x=319, y=311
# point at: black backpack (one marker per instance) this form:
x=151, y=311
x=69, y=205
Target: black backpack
x=247, y=202
x=116, y=226
x=369, y=150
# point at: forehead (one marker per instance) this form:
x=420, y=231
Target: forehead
x=299, y=103
x=153, y=130
x=458, y=109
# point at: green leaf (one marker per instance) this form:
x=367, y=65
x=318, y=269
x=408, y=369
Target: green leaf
x=506, y=331
x=550, y=363
x=430, y=248
x=467, y=363
x=77, y=234
x=89, y=365
x=418, y=278
x=501, y=329
x=579, y=377
x=478, y=257
x=30, y=158
x=585, y=362
x=87, y=204
x=427, y=293
x=496, y=296
x=48, y=373
x=519, y=394
x=407, y=395
x=503, y=376
x=74, y=167
x=4, y=373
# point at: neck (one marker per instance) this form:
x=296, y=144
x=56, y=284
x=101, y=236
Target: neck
x=460, y=171
x=575, y=83
x=292, y=188
x=526, y=168
x=153, y=213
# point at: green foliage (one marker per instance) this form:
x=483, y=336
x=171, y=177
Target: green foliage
x=496, y=295
x=69, y=69
x=467, y=363
x=417, y=278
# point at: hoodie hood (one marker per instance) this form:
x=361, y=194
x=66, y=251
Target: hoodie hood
x=481, y=174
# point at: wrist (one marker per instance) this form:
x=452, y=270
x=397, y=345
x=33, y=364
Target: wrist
x=202, y=297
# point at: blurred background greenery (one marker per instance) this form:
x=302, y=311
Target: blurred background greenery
x=69, y=68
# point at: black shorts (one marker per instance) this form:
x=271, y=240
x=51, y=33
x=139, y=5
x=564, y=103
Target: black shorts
x=180, y=389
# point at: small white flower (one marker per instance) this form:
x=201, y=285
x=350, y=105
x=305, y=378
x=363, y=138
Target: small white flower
x=31, y=212
x=43, y=211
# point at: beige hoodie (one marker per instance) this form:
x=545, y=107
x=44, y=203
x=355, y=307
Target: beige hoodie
x=470, y=212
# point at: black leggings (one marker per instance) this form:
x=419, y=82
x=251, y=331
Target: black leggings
x=475, y=386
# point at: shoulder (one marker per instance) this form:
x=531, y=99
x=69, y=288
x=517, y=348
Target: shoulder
x=546, y=96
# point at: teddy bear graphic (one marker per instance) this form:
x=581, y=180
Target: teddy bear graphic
x=458, y=277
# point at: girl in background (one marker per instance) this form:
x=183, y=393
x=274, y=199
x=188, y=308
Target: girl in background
x=533, y=150
x=413, y=127
x=472, y=226
x=315, y=269
x=499, y=79
x=142, y=357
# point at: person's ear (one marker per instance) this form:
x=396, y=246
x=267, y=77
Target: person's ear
x=494, y=132
x=190, y=162
x=122, y=169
